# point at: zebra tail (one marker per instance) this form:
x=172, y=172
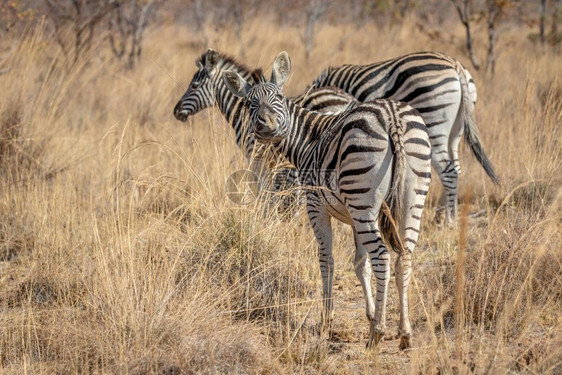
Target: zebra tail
x=392, y=215
x=471, y=133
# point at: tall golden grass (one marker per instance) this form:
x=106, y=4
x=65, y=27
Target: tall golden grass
x=120, y=252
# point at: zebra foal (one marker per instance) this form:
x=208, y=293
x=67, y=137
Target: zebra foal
x=444, y=93
x=352, y=163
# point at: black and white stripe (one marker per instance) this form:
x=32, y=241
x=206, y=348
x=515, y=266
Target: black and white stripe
x=441, y=89
x=353, y=163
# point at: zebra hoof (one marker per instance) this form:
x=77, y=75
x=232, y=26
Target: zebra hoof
x=376, y=334
x=439, y=215
x=444, y=219
x=374, y=341
x=324, y=327
x=405, y=343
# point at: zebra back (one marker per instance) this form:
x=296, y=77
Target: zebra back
x=328, y=99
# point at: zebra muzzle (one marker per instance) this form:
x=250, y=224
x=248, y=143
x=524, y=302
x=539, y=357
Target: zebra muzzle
x=270, y=125
x=180, y=113
x=266, y=125
x=267, y=117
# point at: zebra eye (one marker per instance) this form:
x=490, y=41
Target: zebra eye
x=195, y=84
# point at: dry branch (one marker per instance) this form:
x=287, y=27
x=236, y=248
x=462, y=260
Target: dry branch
x=464, y=11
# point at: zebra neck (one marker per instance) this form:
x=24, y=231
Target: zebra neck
x=307, y=129
x=226, y=100
x=232, y=107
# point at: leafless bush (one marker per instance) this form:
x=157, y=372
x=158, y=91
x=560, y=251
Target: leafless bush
x=554, y=38
x=10, y=130
x=314, y=12
x=127, y=22
x=75, y=23
x=464, y=11
x=260, y=285
x=16, y=13
x=78, y=24
x=17, y=152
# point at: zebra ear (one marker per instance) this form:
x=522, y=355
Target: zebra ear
x=235, y=83
x=211, y=59
x=281, y=69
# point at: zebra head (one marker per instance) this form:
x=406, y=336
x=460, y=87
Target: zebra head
x=200, y=93
x=268, y=108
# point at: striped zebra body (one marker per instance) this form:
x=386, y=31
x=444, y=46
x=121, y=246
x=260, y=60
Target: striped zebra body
x=207, y=90
x=444, y=93
x=353, y=163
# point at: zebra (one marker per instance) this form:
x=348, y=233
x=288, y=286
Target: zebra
x=441, y=89
x=352, y=163
x=207, y=89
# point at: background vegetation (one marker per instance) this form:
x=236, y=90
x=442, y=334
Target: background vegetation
x=120, y=253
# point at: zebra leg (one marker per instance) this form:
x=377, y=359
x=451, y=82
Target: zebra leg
x=369, y=236
x=321, y=224
x=449, y=179
x=362, y=265
x=445, y=160
x=454, y=174
x=403, y=272
x=413, y=201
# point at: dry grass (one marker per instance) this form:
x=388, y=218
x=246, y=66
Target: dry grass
x=119, y=252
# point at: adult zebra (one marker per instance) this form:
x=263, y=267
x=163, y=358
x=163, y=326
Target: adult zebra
x=353, y=161
x=207, y=90
x=441, y=89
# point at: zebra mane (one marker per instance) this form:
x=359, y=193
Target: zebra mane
x=258, y=76
x=318, y=81
x=224, y=59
